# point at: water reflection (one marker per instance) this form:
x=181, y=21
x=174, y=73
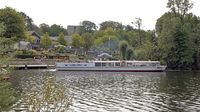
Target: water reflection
x=117, y=92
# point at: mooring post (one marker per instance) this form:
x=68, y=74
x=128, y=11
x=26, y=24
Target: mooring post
x=26, y=67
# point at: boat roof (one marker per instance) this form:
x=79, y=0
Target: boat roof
x=128, y=61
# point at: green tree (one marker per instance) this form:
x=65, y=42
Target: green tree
x=7, y=94
x=88, y=26
x=30, y=38
x=5, y=43
x=55, y=30
x=197, y=47
x=37, y=29
x=138, y=24
x=180, y=7
x=175, y=40
x=123, y=48
x=14, y=22
x=129, y=54
x=181, y=53
x=88, y=41
x=128, y=28
x=46, y=41
x=44, y=27
x=61, y=39
x=77, y=41
x=112, y=24
x=148, y=51
x=28, y=21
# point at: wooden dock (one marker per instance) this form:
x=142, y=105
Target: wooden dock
x=31, y=66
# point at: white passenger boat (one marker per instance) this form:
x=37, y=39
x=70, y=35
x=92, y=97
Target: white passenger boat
x=116, y=66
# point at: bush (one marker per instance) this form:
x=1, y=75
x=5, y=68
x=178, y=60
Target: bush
x=7, y=97
x=31, y=52
x=18, y=52
x=7, y=94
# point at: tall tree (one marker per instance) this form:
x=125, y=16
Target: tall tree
x=138, y=24
x=44, y=27
x=180, y=7
x=175, y=40
x=55, y=30
x=88, y=26
x=37, y=29
x=46, y=41
x=30, y=38
x=111, y=24
x=88, y=40
x=61, y=39
x=28, y=21
x=77, y=41
x=129, y=54
x=14, y=22
x=123, y=48
x=128, y=28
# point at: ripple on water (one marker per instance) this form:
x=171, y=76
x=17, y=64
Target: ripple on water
x=128, y=92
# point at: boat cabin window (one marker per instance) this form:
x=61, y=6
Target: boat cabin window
x=103, y=64
x=143, y=65
x=117, y=64
x=154, y=64
x=110, y=64
x=129, y=64
x=97, y=64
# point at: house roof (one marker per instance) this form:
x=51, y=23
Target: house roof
x=33, y=33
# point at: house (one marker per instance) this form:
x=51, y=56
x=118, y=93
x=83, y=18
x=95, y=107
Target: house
x=37, y=38
x=24, y=45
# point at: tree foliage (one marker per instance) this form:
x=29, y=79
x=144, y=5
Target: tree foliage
x=180, y=7
x=46, y=41
x=77, y=41
x=88, y=26
x=7, y=94
x=123, y=48
x=129, y=54
x=55, y=30
x=112, y=24
x=14, y=22
x=176, y=37
x=61, y=39
x=28, y=21
x=30, y=38
x=44, y=27
x=88, y=40
x=138, y=24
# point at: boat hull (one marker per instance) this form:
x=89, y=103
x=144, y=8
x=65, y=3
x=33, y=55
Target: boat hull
x=109, y=69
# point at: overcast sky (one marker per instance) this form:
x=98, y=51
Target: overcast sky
x=72, y=12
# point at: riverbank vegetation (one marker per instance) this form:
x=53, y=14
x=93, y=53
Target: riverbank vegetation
x=7, y=93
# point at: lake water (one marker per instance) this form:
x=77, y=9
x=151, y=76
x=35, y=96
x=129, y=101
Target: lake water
x=125, y=92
